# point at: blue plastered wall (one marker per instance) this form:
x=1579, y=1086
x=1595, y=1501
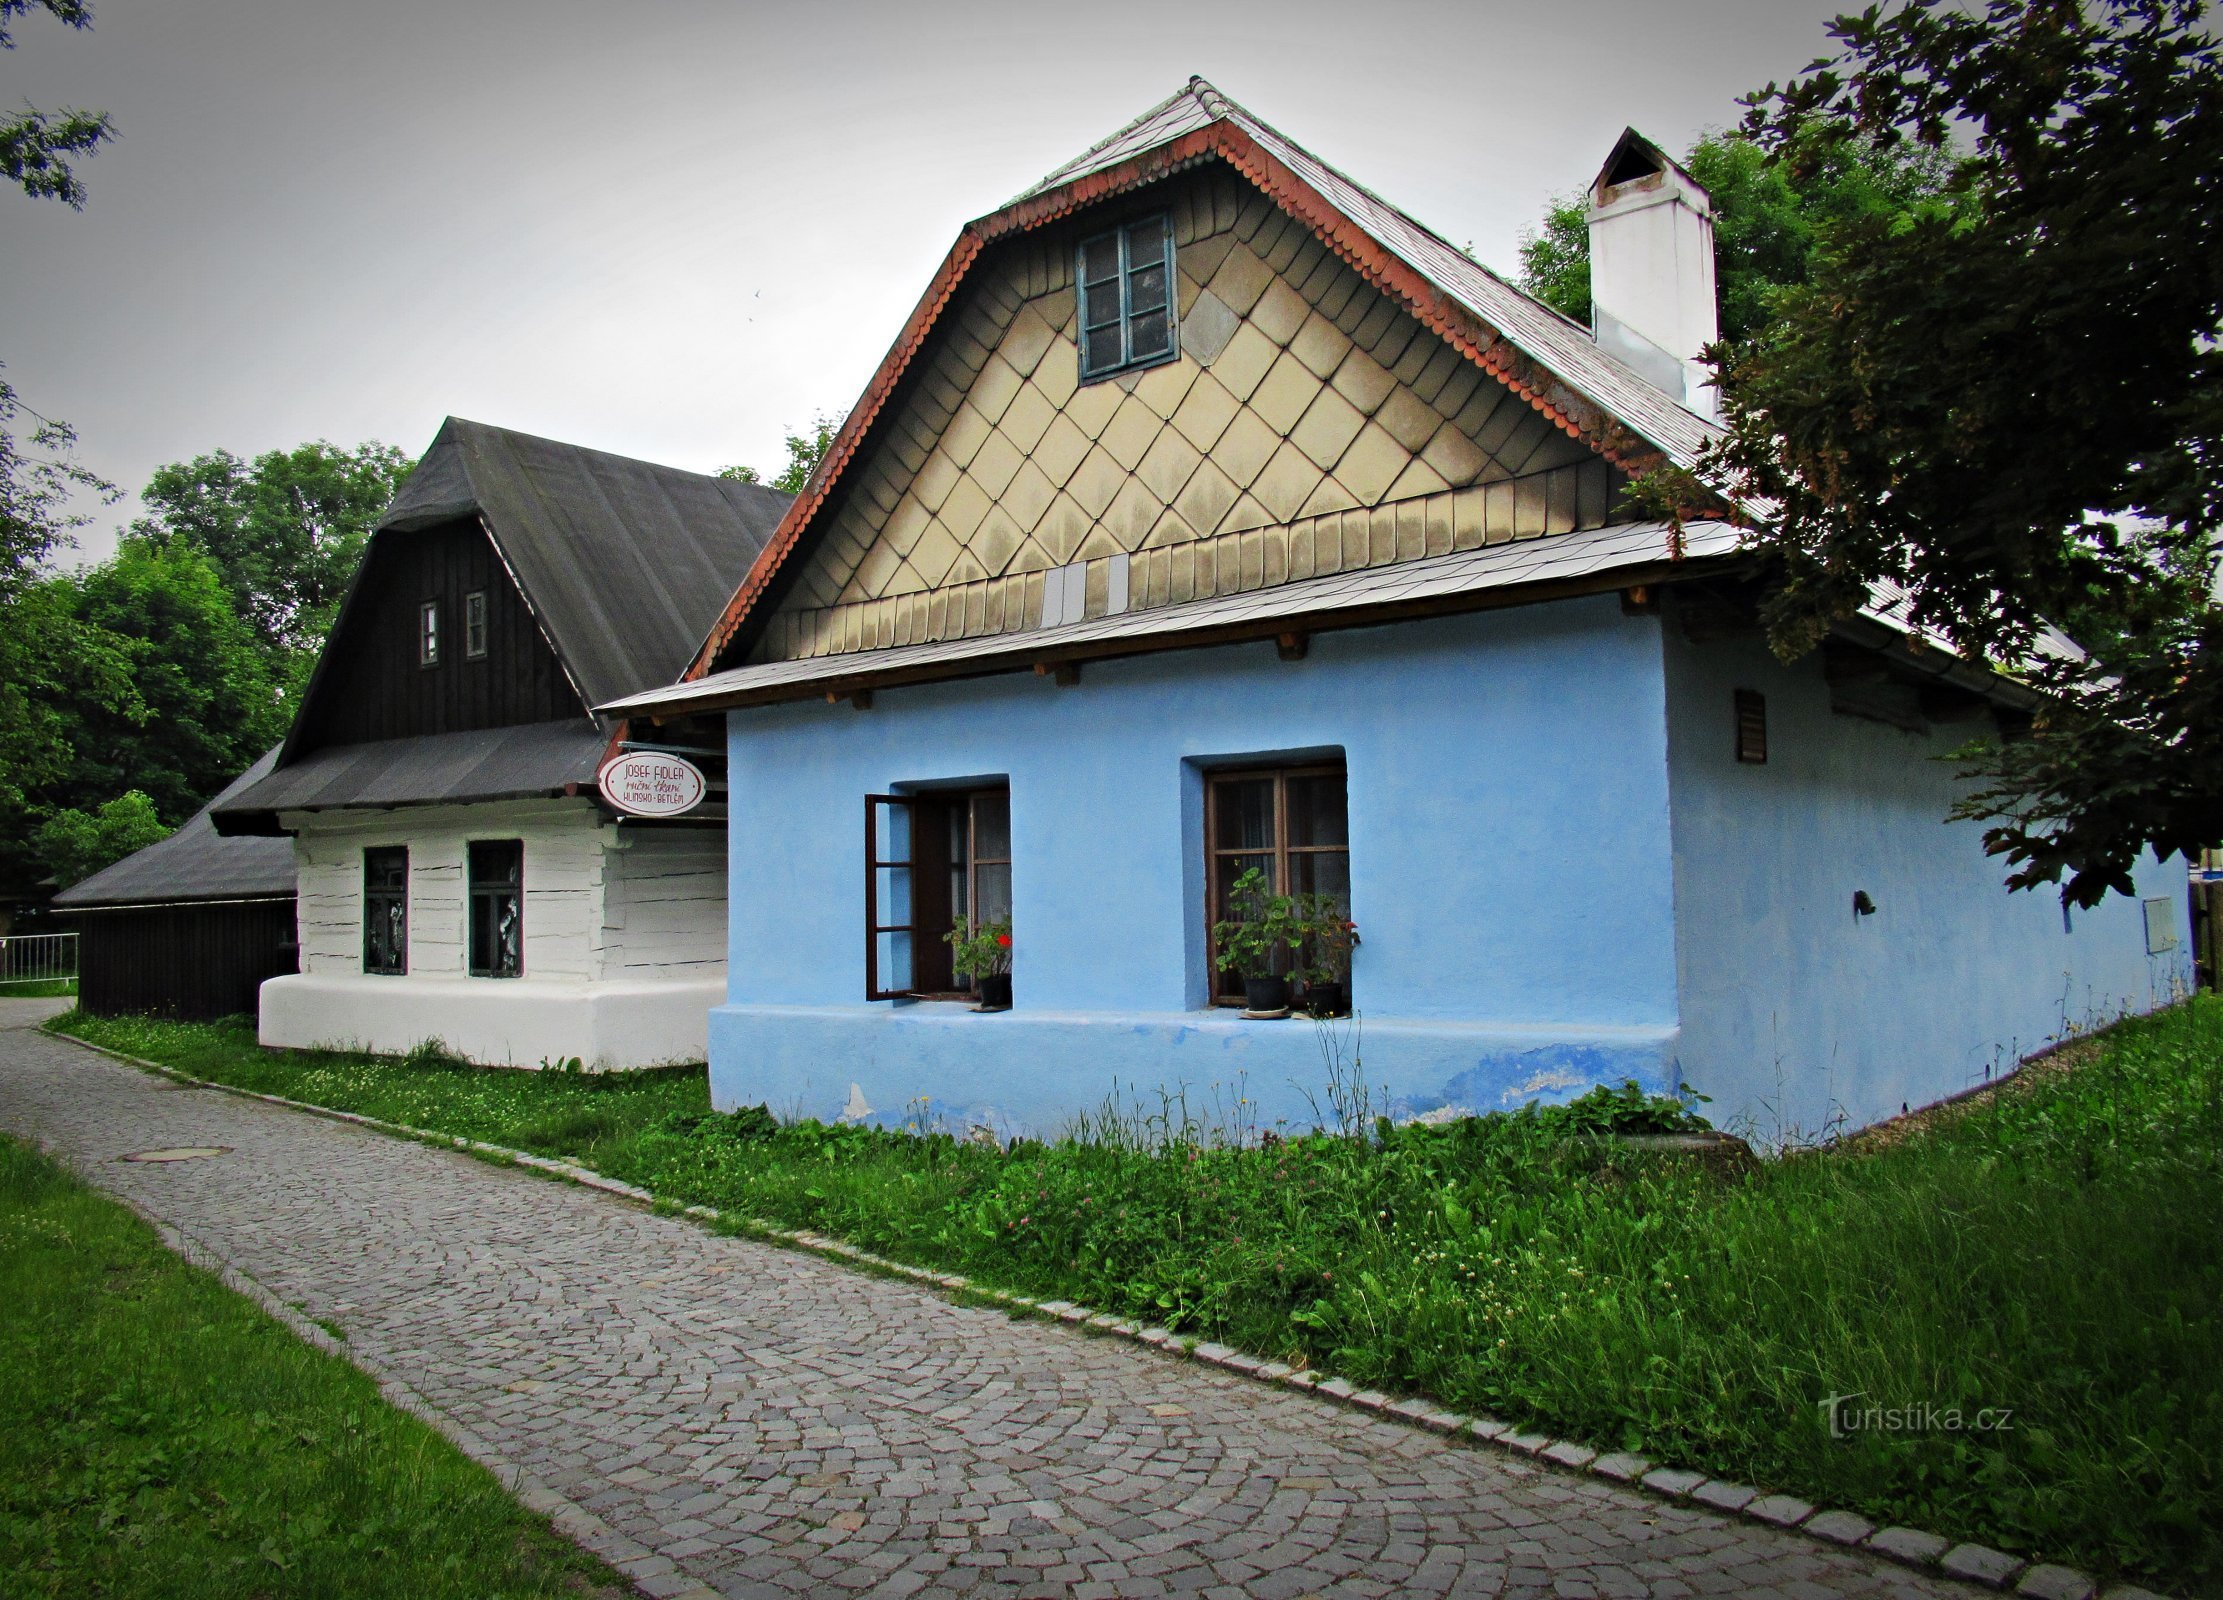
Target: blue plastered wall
x=1509, y=861
x=1798, y=1015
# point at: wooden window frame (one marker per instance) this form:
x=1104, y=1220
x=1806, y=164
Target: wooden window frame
x=374, y=899
x=1281, y=850
x=428, y=633
x=1084, y=301
x=930, y=868
x=474, y=625
x=480, y=900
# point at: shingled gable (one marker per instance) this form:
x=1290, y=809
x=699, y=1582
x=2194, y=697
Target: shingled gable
x=1548, y=363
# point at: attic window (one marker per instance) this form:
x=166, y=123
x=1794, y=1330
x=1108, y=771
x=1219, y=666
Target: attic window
x=1126, y=282
x=474, y=625
x=428, y=634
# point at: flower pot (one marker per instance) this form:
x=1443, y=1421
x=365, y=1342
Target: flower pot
x=1325, y=999
x=1266, y=994
x=995, y=991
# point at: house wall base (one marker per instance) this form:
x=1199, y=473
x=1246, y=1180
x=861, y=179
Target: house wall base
x=524, y=1022
x=938, y=1064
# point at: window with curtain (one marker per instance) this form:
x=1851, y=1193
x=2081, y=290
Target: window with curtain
x=1126, y=297
x=496, y=870
x=1292, y=824
x=386, y=910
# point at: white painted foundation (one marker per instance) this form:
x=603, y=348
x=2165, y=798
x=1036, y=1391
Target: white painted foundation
x=516, y=1022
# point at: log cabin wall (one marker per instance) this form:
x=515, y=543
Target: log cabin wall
x=375, y=687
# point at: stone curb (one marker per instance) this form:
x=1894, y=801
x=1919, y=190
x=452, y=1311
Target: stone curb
x=1927, y=1552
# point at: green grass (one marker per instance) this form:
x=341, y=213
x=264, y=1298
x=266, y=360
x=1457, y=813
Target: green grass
x=592, y=1117
x=160, y=1436
x=2053, y=1251
x=38, y=989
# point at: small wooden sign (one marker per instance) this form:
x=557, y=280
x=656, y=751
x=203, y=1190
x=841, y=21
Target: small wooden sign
x=645, y=784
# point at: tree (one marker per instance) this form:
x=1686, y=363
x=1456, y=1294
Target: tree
x=285, y=530
x=76, y=844
x=209, y=699
x=1769, y=221
x=2011, y=405
x=38, y=480
x=35, y=145
x=804, y=452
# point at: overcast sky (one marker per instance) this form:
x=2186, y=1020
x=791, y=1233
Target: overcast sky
x=672, y=228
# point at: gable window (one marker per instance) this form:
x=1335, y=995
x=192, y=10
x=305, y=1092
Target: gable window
x=474, y=625
x=386, y=910
x=1126, y=295
x=497, y=882
x=428, y=634
x=935, y=861
x=1292, y=824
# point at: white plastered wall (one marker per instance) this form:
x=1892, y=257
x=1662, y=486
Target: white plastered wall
x=624, y=939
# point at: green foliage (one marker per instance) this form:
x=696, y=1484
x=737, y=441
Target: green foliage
x=207, y=701
x=1303, y=935
x=588, y=1115
x=1260, y=933
x=1771, y=220
x=2050, y=1250
x=285, y=530
x=1555, y=257
x=35, y=145
x=166, y=1438
x=76, y=844
x=983, y=951
x=804, y=451
x=2011, y=406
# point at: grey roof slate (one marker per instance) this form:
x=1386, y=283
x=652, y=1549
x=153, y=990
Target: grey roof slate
x=194, y=863
x=535, y=758
x=1564, y=347
x=1557, y=558
x=626, y=563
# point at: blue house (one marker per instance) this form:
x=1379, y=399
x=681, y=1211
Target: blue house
x=1211, y=513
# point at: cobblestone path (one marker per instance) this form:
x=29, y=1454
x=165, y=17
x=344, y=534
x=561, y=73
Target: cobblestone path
x=739, y=1419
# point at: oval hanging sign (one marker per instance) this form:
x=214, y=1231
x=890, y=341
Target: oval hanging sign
x=645, y=784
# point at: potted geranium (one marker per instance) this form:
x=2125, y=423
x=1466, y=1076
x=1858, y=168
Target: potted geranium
x=1257, y=941
x=982, y=952
x=1329, y=937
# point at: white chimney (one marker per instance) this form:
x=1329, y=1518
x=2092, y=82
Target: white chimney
x=1652, y=270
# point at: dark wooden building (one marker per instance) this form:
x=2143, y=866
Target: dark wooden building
x=189, y=927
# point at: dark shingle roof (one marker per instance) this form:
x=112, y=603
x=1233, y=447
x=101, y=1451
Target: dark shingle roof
x=625, y=563
x=534, y=758
x=194, y=863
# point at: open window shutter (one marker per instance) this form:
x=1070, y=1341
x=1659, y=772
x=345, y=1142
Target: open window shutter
x=891, y=896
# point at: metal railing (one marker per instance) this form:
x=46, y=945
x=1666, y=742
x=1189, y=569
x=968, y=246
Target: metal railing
x=28, y=958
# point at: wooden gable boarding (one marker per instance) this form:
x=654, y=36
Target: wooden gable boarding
x=370, y=684
x=1310, y=425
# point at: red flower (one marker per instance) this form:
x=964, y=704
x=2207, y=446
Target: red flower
x=1004, y=939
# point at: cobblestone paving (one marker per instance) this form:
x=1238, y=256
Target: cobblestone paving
x=744, y=1420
